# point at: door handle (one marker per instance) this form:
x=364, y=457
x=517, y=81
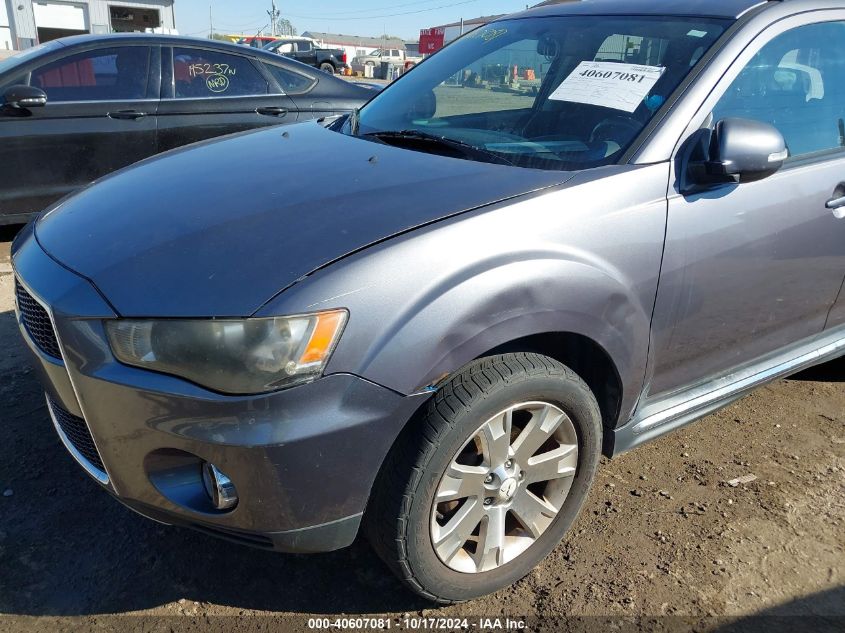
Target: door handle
x=835, y=203
x=272, y=111
x=127, y=115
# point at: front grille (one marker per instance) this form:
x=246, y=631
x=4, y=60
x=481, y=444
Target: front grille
x=37, y=322
x=77, y=433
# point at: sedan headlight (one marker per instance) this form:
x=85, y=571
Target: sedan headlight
x=243, y=356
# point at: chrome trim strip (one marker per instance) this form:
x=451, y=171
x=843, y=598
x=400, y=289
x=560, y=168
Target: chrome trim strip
x=92, y=470
x=102, y=477
x=101, y=101
x=813, y=357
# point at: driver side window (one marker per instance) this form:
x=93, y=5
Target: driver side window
x=796, y=83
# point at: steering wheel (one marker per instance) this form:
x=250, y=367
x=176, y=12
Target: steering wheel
x=613, y=133
x=618, y=129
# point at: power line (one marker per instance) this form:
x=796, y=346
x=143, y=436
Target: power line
x=386, y=15
x=393, y=6
x=242, y=26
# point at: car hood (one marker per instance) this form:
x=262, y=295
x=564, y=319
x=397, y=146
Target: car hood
x=219, y=228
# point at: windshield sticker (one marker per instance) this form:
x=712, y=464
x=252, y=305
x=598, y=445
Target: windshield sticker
x=488, y=35
x=695, y=33
x=608, y=84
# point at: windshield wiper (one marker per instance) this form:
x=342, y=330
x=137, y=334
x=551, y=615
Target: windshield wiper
x=390, y=136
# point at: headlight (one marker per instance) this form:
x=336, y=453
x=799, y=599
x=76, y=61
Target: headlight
x=243, y=356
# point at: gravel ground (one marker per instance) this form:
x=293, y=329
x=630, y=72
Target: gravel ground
x=661, y=537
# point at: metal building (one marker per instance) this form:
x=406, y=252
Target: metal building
x=25, y=23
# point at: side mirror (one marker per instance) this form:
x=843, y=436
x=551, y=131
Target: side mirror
x=741, y=150
x=20, y=97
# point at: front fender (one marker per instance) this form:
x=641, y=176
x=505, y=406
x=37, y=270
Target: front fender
x=579, y=259
x=470, y=312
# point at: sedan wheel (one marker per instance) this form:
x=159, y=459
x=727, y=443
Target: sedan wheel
x=487, y=480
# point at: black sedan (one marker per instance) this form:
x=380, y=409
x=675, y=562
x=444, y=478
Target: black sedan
x=76, y=109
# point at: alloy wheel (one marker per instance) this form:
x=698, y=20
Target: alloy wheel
x=504, y=488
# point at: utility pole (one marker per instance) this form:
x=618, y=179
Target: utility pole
x=274, y=14
x=210, y=21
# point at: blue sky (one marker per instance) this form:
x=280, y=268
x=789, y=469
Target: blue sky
x=350, y=17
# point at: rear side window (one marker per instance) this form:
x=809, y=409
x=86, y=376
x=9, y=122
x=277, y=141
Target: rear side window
x=291, y=82
x=200, y=73
x=102, y=75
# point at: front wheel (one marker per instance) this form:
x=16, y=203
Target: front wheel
x=327, y=68
x=489, y=480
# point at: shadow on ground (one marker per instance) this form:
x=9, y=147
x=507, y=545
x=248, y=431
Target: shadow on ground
x=822, y=612
x=8, y=232
x=833, y=371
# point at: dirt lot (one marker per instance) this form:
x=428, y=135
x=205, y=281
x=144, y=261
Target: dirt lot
x=661, y=534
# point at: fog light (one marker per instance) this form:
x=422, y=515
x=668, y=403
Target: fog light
x=219, y=487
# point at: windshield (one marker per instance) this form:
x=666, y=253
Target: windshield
x=549, y=93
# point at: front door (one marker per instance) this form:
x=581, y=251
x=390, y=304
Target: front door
x=100, y=116
x=751, y=268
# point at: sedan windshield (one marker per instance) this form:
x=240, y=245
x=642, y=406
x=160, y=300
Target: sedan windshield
x=547, y=93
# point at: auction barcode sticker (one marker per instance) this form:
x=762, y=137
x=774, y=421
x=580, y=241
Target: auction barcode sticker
x=608, y=84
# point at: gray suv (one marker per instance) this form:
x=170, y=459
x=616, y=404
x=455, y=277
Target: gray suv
x=568, y=233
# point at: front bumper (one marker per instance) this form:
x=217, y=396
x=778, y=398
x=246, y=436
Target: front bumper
x=303, y=460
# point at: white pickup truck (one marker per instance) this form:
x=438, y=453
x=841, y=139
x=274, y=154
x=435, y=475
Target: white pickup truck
x=394, y=55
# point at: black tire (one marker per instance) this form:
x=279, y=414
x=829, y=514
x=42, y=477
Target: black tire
x=397, y=519
x=326, y=67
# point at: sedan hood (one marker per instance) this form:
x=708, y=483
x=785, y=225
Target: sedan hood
x=220, y=228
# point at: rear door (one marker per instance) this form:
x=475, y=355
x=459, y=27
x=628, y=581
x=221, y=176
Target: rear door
x=297, y=85
x=209, y=93
x=100, y=117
